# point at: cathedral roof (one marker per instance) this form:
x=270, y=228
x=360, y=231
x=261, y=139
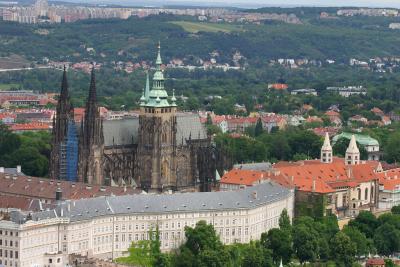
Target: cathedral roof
x=125, y=131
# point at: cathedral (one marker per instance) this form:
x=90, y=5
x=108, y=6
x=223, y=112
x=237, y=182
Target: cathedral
x=162, y=149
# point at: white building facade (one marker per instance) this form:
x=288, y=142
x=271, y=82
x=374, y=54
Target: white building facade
x=105, y=227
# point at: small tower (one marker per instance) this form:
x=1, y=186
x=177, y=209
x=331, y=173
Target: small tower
x=352, y=152
x=326, y=150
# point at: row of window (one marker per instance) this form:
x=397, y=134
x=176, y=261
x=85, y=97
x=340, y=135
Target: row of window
x=10, y=233
x=8, y=243
x=8, y=253
x=8, y=263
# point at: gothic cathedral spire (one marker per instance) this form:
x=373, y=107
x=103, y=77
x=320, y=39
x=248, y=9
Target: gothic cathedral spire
x=91, y=140
x=64, y=114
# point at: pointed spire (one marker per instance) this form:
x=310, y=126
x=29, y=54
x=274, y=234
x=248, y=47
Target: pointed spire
x=143, y=99
x=147, y=89
x=92, y=90
x=159, y=61
x=327, y=143
x=352, y=156
x=64, y=85
x=173, y=98
x=352, y=148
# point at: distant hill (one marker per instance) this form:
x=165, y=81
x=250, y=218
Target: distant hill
x=182, y=37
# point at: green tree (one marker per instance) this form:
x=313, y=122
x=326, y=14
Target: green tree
x=9, y=142
x=343, y=249
x=284, y=221
x=392, y=149
x=363, y=245
x=259, y=128
x=366, y=223
x=387, y=239
x=202, y=248
x=279, y=241
x=396, y=209
x=146, y=253
x=305, y=243
x=256, y=255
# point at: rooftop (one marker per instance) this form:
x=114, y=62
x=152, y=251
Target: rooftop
x=364, y=140
x=84, y=209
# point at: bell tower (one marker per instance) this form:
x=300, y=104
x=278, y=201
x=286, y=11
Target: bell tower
x=326, y=150
x=352, y=152
x=157, y=135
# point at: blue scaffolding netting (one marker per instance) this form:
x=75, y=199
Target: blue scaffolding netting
x=71, y=153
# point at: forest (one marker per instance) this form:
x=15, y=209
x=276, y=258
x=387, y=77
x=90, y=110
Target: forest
x=339, y=39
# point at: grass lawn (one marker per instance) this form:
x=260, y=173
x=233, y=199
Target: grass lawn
x=195, y=27
x=8, y=86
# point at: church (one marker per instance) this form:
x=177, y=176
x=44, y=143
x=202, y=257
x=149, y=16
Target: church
x=163, y=149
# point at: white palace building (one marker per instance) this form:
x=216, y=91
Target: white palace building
x=105, y=227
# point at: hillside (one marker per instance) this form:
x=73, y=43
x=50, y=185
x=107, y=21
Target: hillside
x=134, y=39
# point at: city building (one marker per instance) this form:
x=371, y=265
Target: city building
x=160, y=150
x=307, y=91
x=348, y=91
x=105, y=227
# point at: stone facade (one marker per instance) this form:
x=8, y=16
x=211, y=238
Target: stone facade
x=161, y=150
x=105, y=227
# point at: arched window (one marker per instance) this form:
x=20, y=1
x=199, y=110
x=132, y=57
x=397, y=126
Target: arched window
x=366, y=193
x=165, y=169
x=359, y=194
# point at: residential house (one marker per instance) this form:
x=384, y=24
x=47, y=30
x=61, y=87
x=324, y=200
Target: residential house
x=334, y=117
x=278, y=86
x=358, y=119
x=307, y=91
x=240, y=124
x=389, y=186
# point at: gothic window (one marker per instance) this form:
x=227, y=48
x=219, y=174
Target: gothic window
x=165, y=169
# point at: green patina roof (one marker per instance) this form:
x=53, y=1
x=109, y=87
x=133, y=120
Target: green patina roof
x=364, y=140
x=158, y=96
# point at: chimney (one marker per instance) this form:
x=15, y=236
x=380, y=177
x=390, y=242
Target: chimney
x=292, y=178
x=313, y=185
x=58, y=194
x=1, y=169
x=18, y=168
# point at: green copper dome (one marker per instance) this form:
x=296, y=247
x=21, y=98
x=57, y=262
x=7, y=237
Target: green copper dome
x=158, y=96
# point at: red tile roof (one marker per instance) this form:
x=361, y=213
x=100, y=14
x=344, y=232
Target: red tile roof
x=250, y=177
x=313, y=175
x=31, y=126
x=242, y=177
x=373, y=262
x=42, y=188
x=332, y=113
x=278, y=86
